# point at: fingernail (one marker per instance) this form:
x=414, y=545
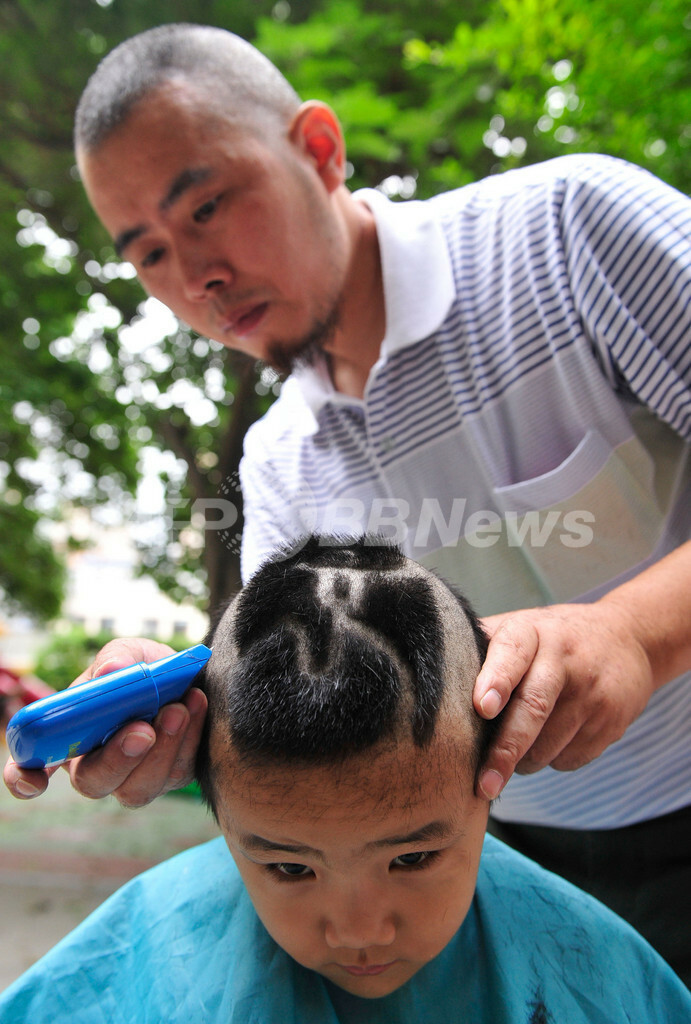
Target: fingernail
x=112, y=665
x=172, y=719
x=25, y=788
x=491, y=784
x=491, y=703
x=136, y=743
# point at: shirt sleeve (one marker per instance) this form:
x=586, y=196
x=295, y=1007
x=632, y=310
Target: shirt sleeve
x=627, y=239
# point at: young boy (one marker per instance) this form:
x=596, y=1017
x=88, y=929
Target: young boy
x=340, y=761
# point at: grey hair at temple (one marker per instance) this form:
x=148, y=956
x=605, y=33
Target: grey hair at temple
x=337, y=649
x=240, y=83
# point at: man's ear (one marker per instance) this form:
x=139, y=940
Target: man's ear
x=316, y=132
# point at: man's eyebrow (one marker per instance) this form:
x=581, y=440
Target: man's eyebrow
x=435, y=830
x=187, y=179
x=126, y=237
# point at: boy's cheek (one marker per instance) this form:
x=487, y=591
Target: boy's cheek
x=286, y=924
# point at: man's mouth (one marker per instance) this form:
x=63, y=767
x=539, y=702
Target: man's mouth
x=244, y=320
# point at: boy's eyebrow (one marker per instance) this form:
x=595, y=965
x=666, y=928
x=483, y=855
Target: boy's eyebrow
x=179, y=185
x=257, y=844
x=439, y=830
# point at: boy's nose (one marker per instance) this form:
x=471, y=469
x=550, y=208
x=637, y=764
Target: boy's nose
x=358, y=923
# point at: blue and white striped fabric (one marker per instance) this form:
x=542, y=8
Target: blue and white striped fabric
x=525, y=431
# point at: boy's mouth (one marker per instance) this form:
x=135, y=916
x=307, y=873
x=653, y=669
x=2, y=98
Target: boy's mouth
x=371, y=969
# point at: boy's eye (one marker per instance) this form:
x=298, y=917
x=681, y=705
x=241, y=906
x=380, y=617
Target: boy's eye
x=291, y=870
x=416, y=859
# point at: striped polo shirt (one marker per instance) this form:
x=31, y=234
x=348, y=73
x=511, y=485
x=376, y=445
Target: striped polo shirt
x=525, y=431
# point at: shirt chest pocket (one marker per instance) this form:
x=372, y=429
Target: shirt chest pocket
x=593, y=518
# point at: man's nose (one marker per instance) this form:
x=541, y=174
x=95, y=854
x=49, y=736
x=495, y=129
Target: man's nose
x=202, y=277
x=359, y=920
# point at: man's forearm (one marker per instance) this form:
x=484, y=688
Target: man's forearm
x=658, y=604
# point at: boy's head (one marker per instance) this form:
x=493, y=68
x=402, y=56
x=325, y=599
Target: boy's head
x=341, y=754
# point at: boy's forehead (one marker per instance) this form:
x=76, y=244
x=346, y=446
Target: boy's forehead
x=305, y=814
x=395, y=776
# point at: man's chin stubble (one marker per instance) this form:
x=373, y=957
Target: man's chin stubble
x=286, y=356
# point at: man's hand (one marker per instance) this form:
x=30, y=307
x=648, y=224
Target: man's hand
x=573, y=677
x=142, y=760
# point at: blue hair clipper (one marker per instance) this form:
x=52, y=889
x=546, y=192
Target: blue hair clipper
x=83, y=717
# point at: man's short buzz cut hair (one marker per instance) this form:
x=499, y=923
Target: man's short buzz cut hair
x=239, y=81
x=333, y=650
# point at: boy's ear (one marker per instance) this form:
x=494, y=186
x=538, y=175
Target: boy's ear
x=317, y=133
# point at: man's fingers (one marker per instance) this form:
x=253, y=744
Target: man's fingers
x=162, y=768
x=511, y=652
x=119, y=654
x=122, y=653
x=105, y=770
x=102, y=771
x=166, y=762
x=530, y=707
x=569, y=739
x=26, y=783
x=182, y=771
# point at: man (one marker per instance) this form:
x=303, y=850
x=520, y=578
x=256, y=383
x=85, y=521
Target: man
x=502, y=371
x=340, y=758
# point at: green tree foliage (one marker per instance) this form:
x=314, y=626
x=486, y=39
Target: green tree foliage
x=449, y=93
x=539, y=78
x=431, y=96
x=66, y=655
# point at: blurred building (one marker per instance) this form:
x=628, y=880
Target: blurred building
x=104, y=594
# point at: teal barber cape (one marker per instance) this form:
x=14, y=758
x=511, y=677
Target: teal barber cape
x=182, y=943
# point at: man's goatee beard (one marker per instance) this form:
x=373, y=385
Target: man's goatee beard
x=284, y=357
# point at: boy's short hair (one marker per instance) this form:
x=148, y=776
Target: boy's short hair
x=337, y=648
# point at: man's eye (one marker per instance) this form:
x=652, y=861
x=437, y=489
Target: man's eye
x=289, y=870
x=151, y=258
x=206, y=210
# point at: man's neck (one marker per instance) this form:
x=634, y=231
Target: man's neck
x=357, y=341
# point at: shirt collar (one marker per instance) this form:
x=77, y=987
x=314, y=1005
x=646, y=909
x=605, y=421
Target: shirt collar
x=418, y=279
x=418, y=289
